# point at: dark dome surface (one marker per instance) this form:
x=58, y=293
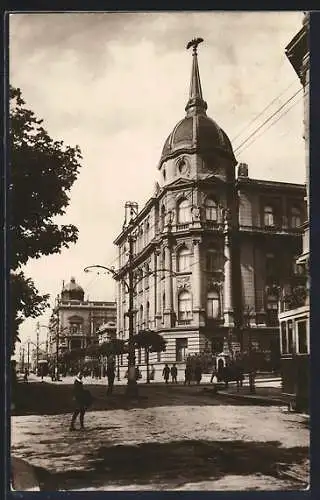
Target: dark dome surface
x=200, y=133
x=73, y=291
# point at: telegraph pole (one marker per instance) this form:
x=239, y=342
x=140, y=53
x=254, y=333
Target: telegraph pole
x=28, y=356
x=57, y=348
x=132, y=382
x=22, y=360
x=37, y=348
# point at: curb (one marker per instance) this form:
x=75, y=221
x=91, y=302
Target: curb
x=254, y=399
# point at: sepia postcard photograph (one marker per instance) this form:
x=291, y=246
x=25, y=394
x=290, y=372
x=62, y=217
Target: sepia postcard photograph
x=158, y=229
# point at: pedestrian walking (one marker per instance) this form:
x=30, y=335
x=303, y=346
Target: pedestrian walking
x=152, y=373
x=82, y=399
x=187, y=374
x=166, y=373
x=138, y=373
x=214, y=380
x=174, y=373
x=110, y=376
x=198, y=373
x=26, y=375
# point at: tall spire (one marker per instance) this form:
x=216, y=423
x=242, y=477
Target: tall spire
x=196, y=105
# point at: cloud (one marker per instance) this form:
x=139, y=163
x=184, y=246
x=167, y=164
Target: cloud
x=116, y=84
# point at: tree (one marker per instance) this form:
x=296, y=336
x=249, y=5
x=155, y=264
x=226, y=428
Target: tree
x=151, y=341
x=114, y=347
x=42, y=172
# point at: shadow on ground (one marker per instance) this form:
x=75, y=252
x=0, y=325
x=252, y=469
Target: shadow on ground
x=54, y=399
x=177, y=463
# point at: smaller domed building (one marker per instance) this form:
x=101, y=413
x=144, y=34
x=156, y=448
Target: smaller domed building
x=76, y=322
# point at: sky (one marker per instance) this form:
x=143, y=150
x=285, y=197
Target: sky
x=117, y=83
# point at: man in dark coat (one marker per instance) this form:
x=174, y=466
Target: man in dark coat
x=198, y=373
x=110, y=375
x=187, y=374
x=82, y=400
x=174, y=373
x=166, y=373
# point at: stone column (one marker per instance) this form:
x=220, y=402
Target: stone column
x=118, y=309
x=227, y=292
x=158, y=293
x=168, y=286
x=198, y=312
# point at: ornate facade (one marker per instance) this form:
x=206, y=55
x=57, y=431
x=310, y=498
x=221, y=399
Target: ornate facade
x=294, y=314
x=75, y=322
x=210, y=247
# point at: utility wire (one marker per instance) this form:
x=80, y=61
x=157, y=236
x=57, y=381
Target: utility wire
x=267, y=120
x=270, y=125
x=255, y=118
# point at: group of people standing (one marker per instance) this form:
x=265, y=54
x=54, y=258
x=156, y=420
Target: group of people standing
x=173, y=371
x=190, y=373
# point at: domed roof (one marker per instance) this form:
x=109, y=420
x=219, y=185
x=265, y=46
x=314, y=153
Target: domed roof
x=73, y=291
x=200, y=133
x=197, y=132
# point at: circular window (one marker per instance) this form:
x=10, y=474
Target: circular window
x=183, y=166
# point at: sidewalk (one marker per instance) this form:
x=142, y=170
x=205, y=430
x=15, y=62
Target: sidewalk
x=262, y=381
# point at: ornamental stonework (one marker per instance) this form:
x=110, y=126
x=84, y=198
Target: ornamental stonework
x=183, y=283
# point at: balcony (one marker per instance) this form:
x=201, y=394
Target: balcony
x=276, y=229
x=184, y=322
x=293, y=298
x=182, y=227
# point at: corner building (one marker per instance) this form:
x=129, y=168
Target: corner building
x=210, y=247
x=75, y=322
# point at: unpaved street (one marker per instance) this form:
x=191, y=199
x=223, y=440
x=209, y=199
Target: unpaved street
x=168, y=447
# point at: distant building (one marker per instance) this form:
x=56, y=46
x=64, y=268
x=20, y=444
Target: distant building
x=211, y=248
x=75, y=322
x=294, y=314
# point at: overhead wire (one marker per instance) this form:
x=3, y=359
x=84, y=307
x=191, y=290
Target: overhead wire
x=255, y=118
x=270, y=125
x=267, y=120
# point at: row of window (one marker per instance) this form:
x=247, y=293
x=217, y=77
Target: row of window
x=214, y=262
x=184, y=211
x=270, y=216
x=294, y=337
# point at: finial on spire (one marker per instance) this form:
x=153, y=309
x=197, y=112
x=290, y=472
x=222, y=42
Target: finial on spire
x=194, y=44
x=196, y=105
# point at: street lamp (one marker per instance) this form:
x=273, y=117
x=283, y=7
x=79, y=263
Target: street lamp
x=130, y=286
x=246, y=318
x=58, y=332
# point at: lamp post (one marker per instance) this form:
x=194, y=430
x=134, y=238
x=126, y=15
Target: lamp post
x=58, y=332
x=246, y=318
x=130, y=286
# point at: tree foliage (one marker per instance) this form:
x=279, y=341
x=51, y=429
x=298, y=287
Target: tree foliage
x=41, y=174
x=150, y=340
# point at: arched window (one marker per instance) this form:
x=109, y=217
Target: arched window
x=163, y=305
x=183, y=263
x=268, y=215
x=184, y=307
x=213, y=304
x=211, y=210
x=183, y=212
x=163, y=262
x=139, y=279
x=147, y=274
x=272, y=310
x=271, y=270
x=295, y=217
x=162, y=216
x=146, y=231
x=147, y=315
x=212, y=260
x=141, y=316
